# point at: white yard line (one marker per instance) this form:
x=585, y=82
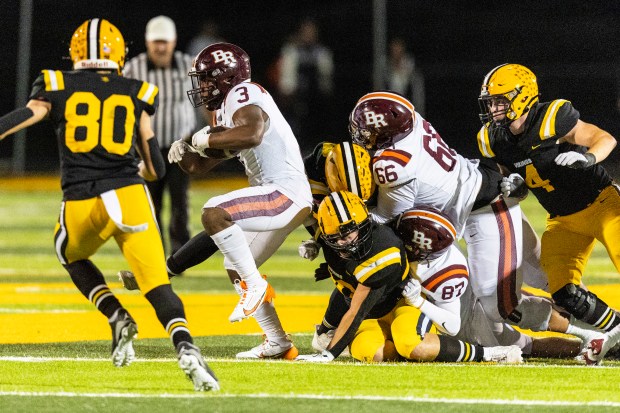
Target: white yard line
x=317, y=397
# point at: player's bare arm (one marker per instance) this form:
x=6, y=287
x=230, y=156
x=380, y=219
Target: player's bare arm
x=599, y=142
x=147, y=170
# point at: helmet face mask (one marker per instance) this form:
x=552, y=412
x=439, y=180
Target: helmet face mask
x=380, y=119
x=345, y=225
x=347, y=168
x=217, y=69
x=106, y=53
x=508, y=92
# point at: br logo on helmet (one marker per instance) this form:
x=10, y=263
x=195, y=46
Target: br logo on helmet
x=223, y=56
x=426, y=232
x=374, y=119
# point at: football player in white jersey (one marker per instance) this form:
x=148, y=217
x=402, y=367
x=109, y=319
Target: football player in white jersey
x=247, y=225
x=413, y=166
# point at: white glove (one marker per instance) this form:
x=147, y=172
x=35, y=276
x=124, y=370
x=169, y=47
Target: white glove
x=178, y=149
x=413, y=293
x=513, y=186
x=323, y=357
x=309, y=249
x=575, y=160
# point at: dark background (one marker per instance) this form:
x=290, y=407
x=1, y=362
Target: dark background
x=572, y=46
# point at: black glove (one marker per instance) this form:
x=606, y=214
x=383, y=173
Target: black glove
x=322, y=273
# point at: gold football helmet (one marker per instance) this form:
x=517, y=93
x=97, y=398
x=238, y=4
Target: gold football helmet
x=97, y=44
x=511, y=89
x=340, y=215
x=347, y=168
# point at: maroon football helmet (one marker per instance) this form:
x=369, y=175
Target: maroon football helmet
x=380, y=119
x=426, y=232
x=217, y=69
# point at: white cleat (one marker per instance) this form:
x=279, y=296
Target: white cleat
x=251, y=300
x=124, y=331
x=194, y=366
x=504, y=354
x=270, y=350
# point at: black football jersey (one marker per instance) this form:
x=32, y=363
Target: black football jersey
x=386, y=264
x=96, y=118
x=559, y=189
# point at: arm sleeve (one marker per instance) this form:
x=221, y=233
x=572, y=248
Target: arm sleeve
x=446, y=318
x=14, y=118
x=159, y=164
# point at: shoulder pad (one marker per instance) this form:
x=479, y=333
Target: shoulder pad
x=447, y=284
x=148, y=92
x=485, y=142
x=392, y=167
x=376, y=263
x=548, y=125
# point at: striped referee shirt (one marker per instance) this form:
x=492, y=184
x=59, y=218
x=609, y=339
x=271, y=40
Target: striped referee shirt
x=175, y=118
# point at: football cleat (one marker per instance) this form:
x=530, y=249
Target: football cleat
x=124, y=331
x=599, y=346
x=194, y=366
x=251, y=300
x=503, y=354
x=271, y=350
x=321, y=341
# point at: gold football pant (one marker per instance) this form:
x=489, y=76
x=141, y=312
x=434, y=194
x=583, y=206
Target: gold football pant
x=85, y=225
x=404, y=326
x=568, y=240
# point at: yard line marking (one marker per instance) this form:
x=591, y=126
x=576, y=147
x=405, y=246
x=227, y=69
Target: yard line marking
x=348, y=362
x=319, y=397
x=39, y=311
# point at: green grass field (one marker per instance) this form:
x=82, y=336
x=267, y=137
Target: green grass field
x=54, y=347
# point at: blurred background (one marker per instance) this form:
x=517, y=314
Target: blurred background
x=437, y=52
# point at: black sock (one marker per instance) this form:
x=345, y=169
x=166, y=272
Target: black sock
x=170, y=312
x=196, y=250
x=451, y=350
x=336, y=308
x=91, y=283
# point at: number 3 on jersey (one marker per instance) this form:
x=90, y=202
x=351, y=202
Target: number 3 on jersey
x=95, y=119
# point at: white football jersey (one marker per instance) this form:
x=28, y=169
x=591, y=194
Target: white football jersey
x=277, y=159
x=422, y=169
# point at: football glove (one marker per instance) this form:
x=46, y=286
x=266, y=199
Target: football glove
x=575, y=160
x=323, y=357
x=413, y=293
x=322, y=273
x=513, y=186
x=309, y=249
x=179, y=148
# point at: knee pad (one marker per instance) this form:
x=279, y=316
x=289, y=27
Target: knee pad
x=532, y=313
x=577, y=301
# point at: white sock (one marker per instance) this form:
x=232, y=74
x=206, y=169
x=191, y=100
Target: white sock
x=269, y=322
x=233, y=245
x=580, y=329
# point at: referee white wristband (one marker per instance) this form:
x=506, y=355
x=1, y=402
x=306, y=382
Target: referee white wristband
x=200, y=139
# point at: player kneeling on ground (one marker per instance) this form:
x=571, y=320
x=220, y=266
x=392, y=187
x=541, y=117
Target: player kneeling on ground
x=368, y=263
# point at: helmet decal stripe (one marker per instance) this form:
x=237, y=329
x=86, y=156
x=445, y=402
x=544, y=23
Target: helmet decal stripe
x=93, y=37
x=350, y=168
x=431, y=216
x=389, y=96
x=489, y=75
x=340, y=207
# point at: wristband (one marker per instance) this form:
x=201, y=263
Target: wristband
x=200, y=139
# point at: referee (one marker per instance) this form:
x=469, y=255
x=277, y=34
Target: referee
x=175, y=118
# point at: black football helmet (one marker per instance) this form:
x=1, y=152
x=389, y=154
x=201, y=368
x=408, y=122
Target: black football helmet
x=381, y=119
x=426, y=232
x=217, y=69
